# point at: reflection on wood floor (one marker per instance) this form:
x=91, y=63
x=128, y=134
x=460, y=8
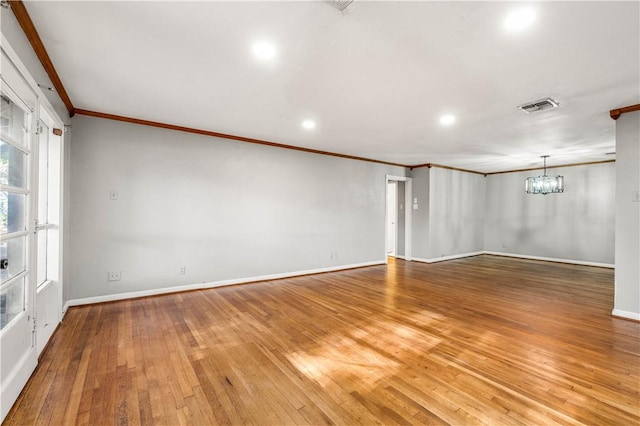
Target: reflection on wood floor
x=479, y=340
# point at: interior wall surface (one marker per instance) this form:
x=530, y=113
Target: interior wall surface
x=627, y=218
x=420, y=213
x=578, y=224
x=221, y=209
x=456, y=213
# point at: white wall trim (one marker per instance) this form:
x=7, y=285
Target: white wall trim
x=451, y=257
x=520, y=256
x=552, y=259
x=18, y=377
x=626, y=314
x=212, y=284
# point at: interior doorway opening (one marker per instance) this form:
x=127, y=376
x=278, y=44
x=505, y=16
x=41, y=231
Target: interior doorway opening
x=398, y=217
x=392, y=218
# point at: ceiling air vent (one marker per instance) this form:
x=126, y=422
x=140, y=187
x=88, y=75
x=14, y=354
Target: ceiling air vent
x=540, y=105
x=339, y=4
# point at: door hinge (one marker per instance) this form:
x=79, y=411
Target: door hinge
x=5, y=4
x=38, y=129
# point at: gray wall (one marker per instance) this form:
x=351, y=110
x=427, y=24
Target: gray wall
x=456, y=212
x=449, y=220
x=627, y=278
x=575, y=225
x=224, y=209
x=420, y=217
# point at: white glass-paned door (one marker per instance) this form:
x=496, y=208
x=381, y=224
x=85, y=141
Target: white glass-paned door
x=18, y=355
x=14, y=154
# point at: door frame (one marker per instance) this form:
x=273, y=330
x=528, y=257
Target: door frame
x=51, y=291
x=407, y=214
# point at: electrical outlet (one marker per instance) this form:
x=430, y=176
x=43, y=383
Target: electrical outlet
x=183, y=270
x=113, y=276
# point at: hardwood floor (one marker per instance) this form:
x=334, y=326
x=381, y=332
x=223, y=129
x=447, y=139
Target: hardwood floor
x=482, y=340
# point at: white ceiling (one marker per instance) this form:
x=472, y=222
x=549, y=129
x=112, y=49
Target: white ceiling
x=375, y=78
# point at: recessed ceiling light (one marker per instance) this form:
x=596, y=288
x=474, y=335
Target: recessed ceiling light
x=264, y=50
x=447, y=119
x=519, y=19
x=309, y=124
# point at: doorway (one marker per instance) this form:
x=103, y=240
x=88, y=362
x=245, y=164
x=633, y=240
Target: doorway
x=398, y=217
x=392, y=218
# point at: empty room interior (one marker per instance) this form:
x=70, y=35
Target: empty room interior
x=320, y=212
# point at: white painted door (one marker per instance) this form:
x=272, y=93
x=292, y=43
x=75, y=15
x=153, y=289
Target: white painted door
x=47, y=256
x=18, y=356
x=392, y=220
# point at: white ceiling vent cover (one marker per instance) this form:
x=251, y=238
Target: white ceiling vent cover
x=339, y=4
x=540, y=105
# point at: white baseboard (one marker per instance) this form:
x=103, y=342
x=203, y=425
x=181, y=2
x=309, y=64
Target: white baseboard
x=626, y=314
x=18, y=377
x=451, y=257
x=520, y=256
x=552, y=259
x=213, y=284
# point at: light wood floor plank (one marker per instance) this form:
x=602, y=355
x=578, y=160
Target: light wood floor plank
x=484, y=340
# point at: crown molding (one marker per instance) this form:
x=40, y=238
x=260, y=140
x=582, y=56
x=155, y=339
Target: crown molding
x=20, y=11
x=551, y=167
x=161, y=125
x=440, y=166
x=616, y=113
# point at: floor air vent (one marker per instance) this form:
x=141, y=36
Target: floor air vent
x=540, y=105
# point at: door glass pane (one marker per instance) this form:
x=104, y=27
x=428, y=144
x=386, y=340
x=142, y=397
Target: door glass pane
x=12, y=257
x=11, y=301
x=12, y=166
x=12, y=212
x=14, y=121
x=42, y=257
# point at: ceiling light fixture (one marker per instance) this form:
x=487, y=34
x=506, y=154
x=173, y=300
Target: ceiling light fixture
x=264, y=50
x=519, y=19
x=447, y=119
x=544, y=184
x=309, y=124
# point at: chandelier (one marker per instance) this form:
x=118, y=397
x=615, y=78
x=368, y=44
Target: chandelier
x=544, y=184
